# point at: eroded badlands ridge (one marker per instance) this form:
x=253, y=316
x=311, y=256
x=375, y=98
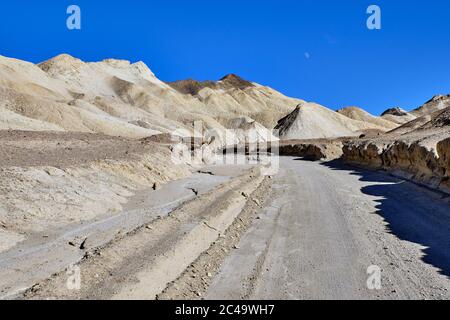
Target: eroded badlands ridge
x=87, y=154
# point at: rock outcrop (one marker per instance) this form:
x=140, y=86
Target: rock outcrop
x=422, y=157
x=418, y=150
x=397, y=115
x=312, y=150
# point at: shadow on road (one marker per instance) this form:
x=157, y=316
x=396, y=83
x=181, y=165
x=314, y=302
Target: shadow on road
x=412, y=215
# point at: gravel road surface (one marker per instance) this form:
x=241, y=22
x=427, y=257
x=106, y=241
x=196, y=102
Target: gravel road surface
x=323, y=228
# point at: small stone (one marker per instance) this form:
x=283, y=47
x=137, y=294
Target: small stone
x=236, y=247
x=199, y=293
x=35, y=287
x=195, y=191
x=156, y=186
x=55, y=172
x=244, y=194
x=83, y=244
x=98, y=253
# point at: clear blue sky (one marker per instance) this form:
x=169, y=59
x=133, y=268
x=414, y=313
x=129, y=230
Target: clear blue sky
x=404, y=64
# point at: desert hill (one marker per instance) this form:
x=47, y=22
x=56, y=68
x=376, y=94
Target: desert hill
x=116, y=97
x=193, y=87
x=120, y=98
x=313, y=121
x=232, y=95
x=437, y=103
x=359, y=114
x=397, y=115
x=432, y=114
x=420, y=115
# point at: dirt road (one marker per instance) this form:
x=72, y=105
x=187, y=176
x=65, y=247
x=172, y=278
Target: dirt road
x=326, y=224
x=313, y=231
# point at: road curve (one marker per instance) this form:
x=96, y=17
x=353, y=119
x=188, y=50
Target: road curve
x=326, y=224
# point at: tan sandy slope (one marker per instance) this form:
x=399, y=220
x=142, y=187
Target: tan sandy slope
x=116, y=97
x=359, y=114
x=119, y=98
x=437, y=103
x=312, y=121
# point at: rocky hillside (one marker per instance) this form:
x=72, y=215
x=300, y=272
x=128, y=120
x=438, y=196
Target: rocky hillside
x=422, y=114
x=437, y=103
x=120, y=98
x=235, y=96
x=397, y=115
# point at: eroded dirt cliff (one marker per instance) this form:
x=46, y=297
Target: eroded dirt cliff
x=422, y=156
